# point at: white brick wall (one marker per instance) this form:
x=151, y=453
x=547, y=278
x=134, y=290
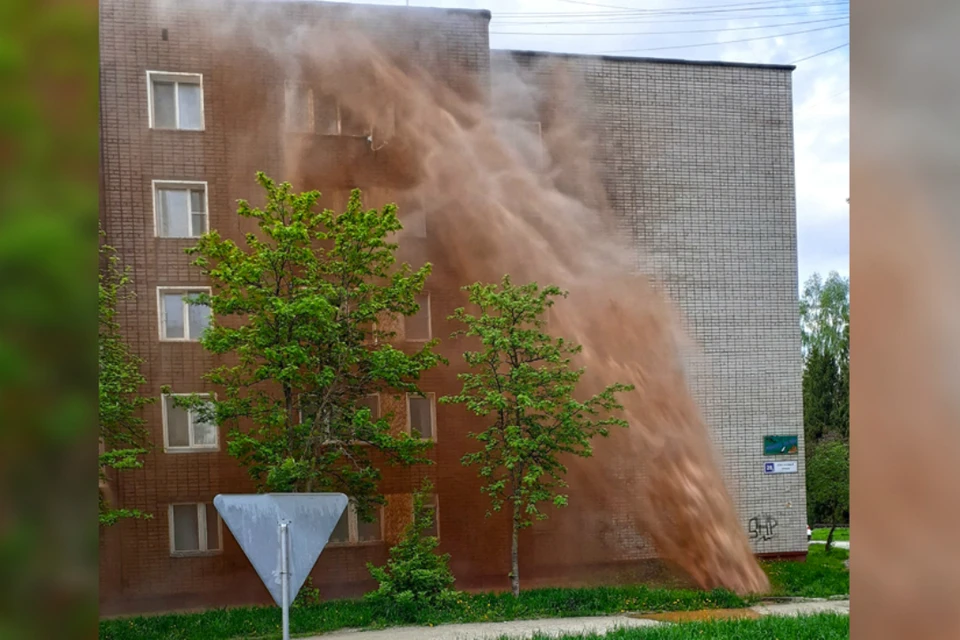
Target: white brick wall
x=698, y=163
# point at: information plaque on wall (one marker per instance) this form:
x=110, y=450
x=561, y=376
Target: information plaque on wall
x=780, y=445
x=787, y=466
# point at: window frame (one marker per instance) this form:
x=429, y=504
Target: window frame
x=353, y=529
x=288, y=87
x=414, y=204
x=429, y=321
x=202, y=533
x=432, y=396
x=191, y=448
x=435, y=501
x=312, y=108
x=177, y=77
x=161, y=316
x=188, y=185
x=379, y=404
x=388, y=130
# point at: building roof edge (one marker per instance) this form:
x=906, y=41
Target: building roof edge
x=706, y=63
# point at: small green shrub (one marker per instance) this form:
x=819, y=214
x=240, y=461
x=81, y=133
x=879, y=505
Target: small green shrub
x=415, y=575
x=308, y=596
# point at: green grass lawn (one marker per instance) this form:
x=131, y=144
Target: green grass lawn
x=820, y=576
x=249, y=622
x=823, y=626
x=839, y=534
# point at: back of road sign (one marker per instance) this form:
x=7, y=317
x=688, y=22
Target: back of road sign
x=254, y=520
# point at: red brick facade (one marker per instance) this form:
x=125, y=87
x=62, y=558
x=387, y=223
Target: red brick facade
x=243, y=93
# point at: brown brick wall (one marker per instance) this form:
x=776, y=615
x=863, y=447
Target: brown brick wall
x=243, y=103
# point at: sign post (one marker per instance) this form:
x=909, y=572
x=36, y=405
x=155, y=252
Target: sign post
x=285, y=580
x=282, y=534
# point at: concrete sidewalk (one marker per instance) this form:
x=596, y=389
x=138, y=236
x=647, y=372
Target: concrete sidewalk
x=803, y=607
x=555, y=627
x=839, y=544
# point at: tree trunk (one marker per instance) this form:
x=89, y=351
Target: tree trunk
x=830, y=538
x=514, y=561
x=291, y=417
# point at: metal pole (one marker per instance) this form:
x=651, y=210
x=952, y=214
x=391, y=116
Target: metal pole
x=285, y=580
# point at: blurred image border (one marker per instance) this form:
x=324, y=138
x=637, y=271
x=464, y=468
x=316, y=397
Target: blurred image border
x=48, y=235
x=905, y=319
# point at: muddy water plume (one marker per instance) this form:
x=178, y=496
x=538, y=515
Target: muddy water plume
x=500, y=201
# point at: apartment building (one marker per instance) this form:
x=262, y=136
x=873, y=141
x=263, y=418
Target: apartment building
x=188, y=116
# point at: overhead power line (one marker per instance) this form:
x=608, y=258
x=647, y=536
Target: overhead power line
x=619, y=10
x=590, y=4
x=692, y=9
x=824, y=52
x=670, y=20
x=715, y=44
x=803, y=108
x=662, y=33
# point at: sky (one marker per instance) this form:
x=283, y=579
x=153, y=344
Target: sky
x=813, y=35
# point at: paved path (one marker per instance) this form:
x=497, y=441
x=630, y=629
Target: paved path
x=556, y=627
x=492, y=630
x=839, y=544
x=806, y=607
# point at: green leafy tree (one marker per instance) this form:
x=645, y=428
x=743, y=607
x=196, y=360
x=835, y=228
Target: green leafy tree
x=123, y=436
x=415, y=576
x=825, y=314
x=825, y=331
x=828, y=482
x=297, y=308
x=523, y=379
x=821, y=388
x=841, y=406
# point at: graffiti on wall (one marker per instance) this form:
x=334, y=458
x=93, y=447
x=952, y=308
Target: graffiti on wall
x=762, y=527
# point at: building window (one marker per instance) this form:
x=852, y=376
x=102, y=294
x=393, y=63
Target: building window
x=186, y=429
x=413, y=216
x=385, y=125
x=298, y=108
x=415, y=222
x=176, y=100
x=180, y=318
x=194, y=529
x=432, y=504
x=181, y=209
x=328, y=116
x=372, y=402
x=422, y=415
x=352, y=530
x=307, y=111
x=417, y=326
x=352, y=124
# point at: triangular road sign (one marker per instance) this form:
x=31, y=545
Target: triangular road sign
x=254, y=520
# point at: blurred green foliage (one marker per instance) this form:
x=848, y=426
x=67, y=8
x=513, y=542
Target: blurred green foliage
x=122, y=431
x=48, y=260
